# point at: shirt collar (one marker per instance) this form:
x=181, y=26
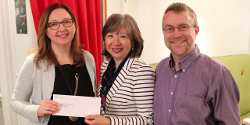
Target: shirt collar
x=187, y=60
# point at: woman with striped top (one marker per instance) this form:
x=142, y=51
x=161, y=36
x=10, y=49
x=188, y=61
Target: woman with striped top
x=127, y=83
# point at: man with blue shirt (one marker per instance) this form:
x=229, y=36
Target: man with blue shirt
x=192, y=88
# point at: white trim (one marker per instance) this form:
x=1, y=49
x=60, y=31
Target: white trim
x=249, y=44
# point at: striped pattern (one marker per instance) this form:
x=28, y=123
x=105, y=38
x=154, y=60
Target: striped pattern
x=130, y=99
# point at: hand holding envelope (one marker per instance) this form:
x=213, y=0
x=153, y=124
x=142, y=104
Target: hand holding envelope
x=78, y=106
x=48, y=106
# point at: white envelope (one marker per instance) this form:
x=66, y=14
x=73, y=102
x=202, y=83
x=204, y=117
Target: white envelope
x=79, y=106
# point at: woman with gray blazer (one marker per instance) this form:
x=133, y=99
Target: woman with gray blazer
x=56, y=66
x=127, y=83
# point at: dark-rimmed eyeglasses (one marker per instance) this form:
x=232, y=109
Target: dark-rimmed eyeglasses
x=171, y=29
x=56, y=25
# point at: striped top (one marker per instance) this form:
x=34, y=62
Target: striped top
x=130, y=99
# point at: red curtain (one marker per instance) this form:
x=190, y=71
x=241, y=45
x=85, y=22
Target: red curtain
x=89, y=17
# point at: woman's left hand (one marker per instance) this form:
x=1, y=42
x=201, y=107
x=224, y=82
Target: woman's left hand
x=97, y=120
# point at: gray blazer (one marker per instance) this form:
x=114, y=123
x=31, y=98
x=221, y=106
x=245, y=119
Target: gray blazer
x=34, y=84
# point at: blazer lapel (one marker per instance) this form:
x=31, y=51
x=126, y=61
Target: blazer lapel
x=119, y=80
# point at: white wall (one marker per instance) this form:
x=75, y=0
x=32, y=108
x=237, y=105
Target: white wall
x=224, y=25
x=13, y=50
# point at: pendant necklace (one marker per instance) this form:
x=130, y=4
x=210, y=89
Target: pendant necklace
x=72, y=118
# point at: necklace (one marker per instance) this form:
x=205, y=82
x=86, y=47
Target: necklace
x=72, y=118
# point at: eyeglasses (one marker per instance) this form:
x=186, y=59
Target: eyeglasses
x=56, y=25
x=171, y=29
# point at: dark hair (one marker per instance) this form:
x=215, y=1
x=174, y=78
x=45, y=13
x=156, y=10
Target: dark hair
x=44, y=50
x=114, y=23
x=181, y=7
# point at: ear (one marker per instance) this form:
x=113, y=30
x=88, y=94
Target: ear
x=47, y=33
x=197, y=29
x=76, y=28
x=132, y=43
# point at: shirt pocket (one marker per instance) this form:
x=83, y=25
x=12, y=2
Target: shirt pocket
x=188, y=109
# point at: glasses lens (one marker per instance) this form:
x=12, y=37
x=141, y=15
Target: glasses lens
x=183, y=27
x=67, y=23
x=169, y=29
x=53, y=25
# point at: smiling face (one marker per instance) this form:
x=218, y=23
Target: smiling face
x=118, y=44
x=63, y=35
x=180, y=43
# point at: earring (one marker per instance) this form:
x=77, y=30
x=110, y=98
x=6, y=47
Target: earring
x=132, y=48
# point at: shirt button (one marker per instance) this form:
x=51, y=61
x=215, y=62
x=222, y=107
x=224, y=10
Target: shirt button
x=169, y=110
x=175, y=76
x=183, y=70
x=172, y=93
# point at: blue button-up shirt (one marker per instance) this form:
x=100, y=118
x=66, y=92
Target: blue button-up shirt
x=201, y=92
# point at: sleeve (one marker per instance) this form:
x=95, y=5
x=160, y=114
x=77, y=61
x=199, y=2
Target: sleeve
x=90, y=64
x=103, y=69
x=20, y=100
x=226, y=98
x=143, y=90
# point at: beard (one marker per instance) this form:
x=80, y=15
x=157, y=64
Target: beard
x=180, y=48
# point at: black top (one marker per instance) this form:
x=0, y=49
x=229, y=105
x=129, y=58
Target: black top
x=85, y=88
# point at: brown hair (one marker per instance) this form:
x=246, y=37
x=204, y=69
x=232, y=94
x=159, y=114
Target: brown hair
x=44, y=50
x=181, y=7
x=114, y=23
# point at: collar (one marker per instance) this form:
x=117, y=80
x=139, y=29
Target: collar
x=128, y=64
x=186, y=61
